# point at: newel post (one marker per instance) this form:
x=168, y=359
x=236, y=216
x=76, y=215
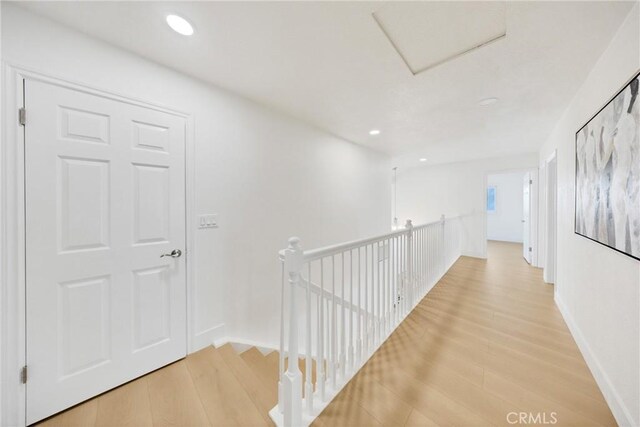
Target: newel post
x=292, y=378
x=409, y=227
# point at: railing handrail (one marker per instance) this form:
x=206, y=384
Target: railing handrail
x=314, y=254
x=389, y=273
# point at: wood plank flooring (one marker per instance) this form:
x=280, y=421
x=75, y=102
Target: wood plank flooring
x=487, y=341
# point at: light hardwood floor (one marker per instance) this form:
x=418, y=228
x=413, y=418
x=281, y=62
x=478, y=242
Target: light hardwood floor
x=487, y=341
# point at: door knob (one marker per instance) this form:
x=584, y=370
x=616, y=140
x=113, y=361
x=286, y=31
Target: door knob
x=174, y=254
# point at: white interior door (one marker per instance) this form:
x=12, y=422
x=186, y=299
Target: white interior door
x=105, y=198
x=526, y=217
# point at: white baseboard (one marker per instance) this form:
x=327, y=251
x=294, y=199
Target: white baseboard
x=474, y=254
x=620, y=411
x=241, y=345
x=504, y=240
x=206, y=337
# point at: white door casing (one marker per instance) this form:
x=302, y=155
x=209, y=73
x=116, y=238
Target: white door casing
x=549, y=273
x=526, y=216
x=105, y=197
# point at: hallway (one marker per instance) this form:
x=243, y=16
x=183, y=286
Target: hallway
x=485, y=342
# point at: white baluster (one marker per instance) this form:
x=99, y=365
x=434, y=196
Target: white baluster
x=321, y=329
x=378, y=298
x=318, y=347
x=443, y=248
x=434, y=251
x=343, y=326
x=424, y=260
x=419, y=264
x=309, y=365
x=371, y=302
x=387, y=289
x=366, y=299
x=292, y=379
x=281, y=358
x=403, y=272
x=407, y=274
x=409, y=227
x=383, y=293
x=380, y=292
x=423, y=280
x=334, y=318
x=392, y=288
x=416, y=265
x=359, y=330
x=414, y=287
x=427, y=251
x=398, y=280
x=351, y=354
x=381, y=271
x=419, y=267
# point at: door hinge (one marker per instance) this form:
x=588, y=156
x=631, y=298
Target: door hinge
x=530, y=181
x=529, y=248
x=23, y=374
x=22, y=116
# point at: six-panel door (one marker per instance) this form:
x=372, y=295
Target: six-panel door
x=105, y=198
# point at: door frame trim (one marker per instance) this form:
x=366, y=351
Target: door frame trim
x=534, y=208
x=12, y=229
x=547, y=233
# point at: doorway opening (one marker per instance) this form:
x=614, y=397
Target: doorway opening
x=511, y=210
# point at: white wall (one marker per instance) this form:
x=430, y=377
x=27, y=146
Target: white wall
x=597, y=288
x=427, y=191
x=506, y=223
x=267, y=176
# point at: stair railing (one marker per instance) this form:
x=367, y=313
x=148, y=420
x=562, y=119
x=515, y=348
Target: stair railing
x=347, y=299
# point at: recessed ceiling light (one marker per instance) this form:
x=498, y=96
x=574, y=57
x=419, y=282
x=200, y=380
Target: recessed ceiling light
x=487, y=101
x=423, y=159
x=180, y=25
x=374, y=132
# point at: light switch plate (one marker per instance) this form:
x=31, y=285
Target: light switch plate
x=208, y=221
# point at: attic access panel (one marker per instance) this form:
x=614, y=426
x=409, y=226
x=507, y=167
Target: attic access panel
x=427, y=34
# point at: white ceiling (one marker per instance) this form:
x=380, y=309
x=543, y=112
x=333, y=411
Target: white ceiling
x=331, y=65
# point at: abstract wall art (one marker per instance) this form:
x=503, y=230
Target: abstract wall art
x=607, y=203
